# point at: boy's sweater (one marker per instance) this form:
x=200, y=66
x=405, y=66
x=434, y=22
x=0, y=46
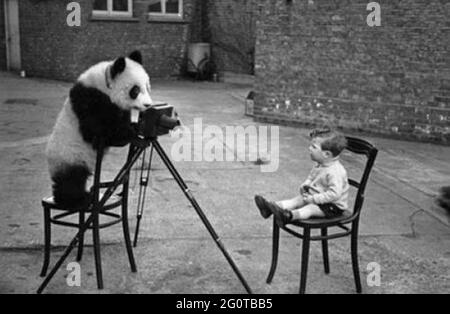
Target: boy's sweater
x=329, y=184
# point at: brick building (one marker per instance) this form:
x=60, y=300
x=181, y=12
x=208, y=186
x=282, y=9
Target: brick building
x=50, y=48
x=318, y=62
x=161, y=29
x=2, y=38
x=231, y=29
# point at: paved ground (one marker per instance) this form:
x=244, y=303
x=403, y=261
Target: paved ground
x=401, y=230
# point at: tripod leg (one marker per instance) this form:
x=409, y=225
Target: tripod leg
x=136, y=232
x=139, y=205
x=58, y=264
x=142, y=194
x=199, y=211
x=125, y=227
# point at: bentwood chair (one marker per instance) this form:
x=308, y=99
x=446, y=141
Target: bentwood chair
x=63, y=219
x=348, y=222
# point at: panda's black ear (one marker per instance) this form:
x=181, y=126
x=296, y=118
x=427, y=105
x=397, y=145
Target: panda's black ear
x=136, y=56
x=118, y=67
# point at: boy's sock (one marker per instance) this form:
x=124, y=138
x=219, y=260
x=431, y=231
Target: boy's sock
x=282, y=216
x=288, y=215
x=296, y=215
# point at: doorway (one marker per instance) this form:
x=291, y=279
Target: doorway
x=12, y=35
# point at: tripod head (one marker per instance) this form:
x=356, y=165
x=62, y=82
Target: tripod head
x=157, y=120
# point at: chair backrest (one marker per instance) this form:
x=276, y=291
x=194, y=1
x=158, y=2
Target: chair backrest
x=361, y=147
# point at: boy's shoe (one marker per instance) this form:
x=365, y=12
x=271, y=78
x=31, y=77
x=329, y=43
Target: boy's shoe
x=263, y=207
x=282, y=216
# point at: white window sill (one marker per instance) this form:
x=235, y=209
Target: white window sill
x=113, y=18
x=162, y=18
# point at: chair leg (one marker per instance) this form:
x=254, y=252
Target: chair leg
x=326, y=262
x=305, y=259
x=126, y=233
x=47, y=241
x=81, y=237
x=98, y=259
x=355, y=263
x=275, y=245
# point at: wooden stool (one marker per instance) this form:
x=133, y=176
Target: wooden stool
x=61, y=218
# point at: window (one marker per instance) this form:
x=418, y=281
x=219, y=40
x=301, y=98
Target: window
x=166, y=8
x=113, y=7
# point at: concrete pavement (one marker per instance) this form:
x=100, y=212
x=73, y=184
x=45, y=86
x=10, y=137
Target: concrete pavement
x=400, y=229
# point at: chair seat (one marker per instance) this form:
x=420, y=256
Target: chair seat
x=323, y=222
x=113, y=202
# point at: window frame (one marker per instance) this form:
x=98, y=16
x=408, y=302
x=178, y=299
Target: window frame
x=109, y=12
x=164, y=14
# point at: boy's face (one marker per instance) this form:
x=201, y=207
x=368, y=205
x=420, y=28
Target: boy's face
x=316, y=152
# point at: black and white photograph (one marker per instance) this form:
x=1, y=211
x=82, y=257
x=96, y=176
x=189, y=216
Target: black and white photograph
x=225, y=153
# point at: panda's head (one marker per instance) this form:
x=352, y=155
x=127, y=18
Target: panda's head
x=128, y=84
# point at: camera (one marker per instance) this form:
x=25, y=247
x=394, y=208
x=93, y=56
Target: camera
x=157, y=120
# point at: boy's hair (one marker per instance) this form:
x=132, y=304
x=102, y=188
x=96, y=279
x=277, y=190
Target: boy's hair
x=333, y=141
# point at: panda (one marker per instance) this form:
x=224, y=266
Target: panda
x=99, y=106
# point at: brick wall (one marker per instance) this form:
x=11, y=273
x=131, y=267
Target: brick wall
x=196, y=24
x=232, y=34
x=50, y=48
x=317, y=62
x=2, y=37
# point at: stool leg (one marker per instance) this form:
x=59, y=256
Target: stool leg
x=47, y=241
x=81, y=238
x=326, y=262
x=126, y=233
x=275, y=245
x=355, y=263
x=305, y=259
x=98, y=259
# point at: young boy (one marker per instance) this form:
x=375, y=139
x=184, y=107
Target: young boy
x=325, y=191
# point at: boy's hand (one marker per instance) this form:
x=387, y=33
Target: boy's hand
x=304, y=189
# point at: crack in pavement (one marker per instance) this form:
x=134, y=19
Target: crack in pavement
x=26, y=142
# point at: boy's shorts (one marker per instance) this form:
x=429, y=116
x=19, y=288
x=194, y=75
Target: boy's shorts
x=330, y=210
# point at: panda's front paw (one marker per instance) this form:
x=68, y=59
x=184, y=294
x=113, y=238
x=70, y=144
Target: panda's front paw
x=122, y=137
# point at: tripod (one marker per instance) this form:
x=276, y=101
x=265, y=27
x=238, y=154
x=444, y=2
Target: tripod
x=133, y=156
x=143, y=184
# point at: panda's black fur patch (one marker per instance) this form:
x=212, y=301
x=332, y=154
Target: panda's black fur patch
x=69, y=186
x=99, y=118
x=118, y=67
x=136, y=56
